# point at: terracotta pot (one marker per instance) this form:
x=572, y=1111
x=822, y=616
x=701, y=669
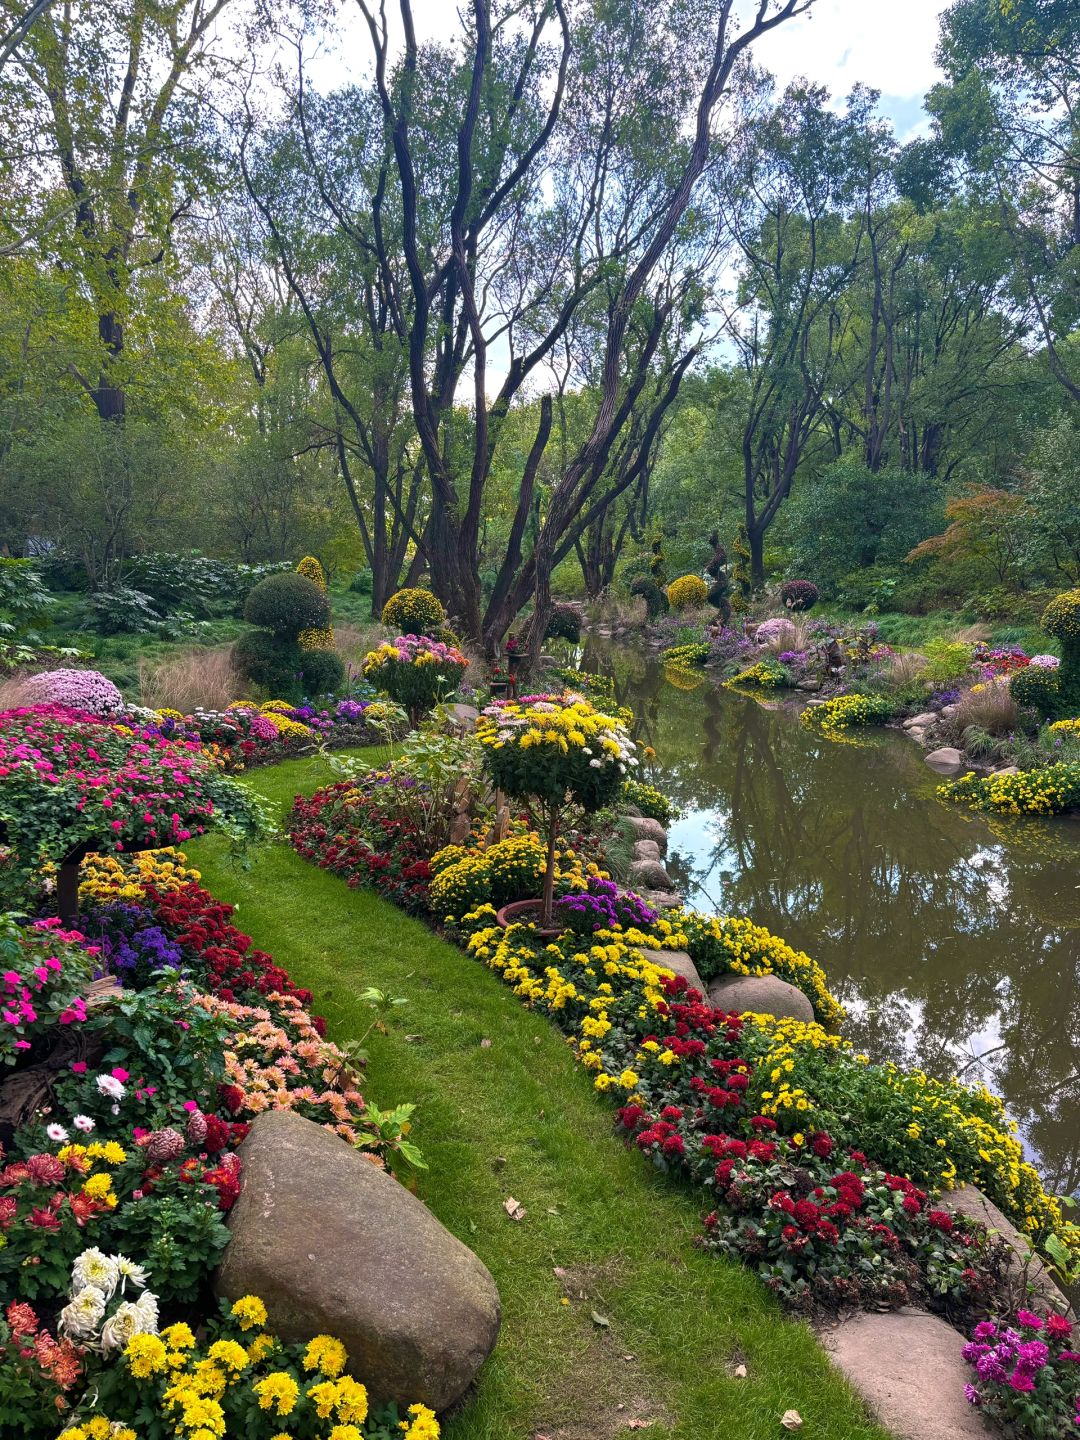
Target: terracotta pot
x=528, y=912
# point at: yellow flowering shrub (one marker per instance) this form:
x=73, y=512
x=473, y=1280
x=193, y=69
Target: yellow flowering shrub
x=833, y=717
x=241, y=1379
x=688, y=591
x=511, y=869
x=1050, y=790
x=736, y=946
x=116, y=877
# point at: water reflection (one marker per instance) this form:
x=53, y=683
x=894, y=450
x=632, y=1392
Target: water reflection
x=953, y=941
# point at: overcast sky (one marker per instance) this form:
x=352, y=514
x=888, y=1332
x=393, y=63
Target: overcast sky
x=887, y=44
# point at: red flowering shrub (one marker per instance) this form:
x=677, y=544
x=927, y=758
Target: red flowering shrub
x=345, y=828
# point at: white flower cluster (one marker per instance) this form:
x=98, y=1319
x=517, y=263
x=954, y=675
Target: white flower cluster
x=96, y=1280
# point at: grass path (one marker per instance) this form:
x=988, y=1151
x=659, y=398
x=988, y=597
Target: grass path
x=504, y=1110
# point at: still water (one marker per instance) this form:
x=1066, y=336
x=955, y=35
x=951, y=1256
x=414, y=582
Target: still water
x=953, y=940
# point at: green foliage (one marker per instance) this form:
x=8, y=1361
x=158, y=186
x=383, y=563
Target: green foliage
x=270, y=662
x=1061, y=618
x=946, y=660
x=646, y=799
x=322, y=672
x=361, y=583
x=286, y=604
x=654, y=595
x=1038, y=689
x=564, y=623
x=688, y=656
x=741, y=581
x=850, y=518
x=414, y=612
x=24, y=600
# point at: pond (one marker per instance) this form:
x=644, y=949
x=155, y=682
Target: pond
x=952, y=939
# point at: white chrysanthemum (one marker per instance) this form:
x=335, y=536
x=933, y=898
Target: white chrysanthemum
x=130, y=1271
x=126, y=1322
x=109, y=1085
x=81, y=1316
x=83, y=1123
x=95, y=1268
x=147, y=1306
x=56, y=1133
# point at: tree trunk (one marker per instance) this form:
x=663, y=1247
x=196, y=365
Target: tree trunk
x=108, y=398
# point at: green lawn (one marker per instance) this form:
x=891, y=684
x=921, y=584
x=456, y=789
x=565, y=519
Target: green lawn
x=503, y=1110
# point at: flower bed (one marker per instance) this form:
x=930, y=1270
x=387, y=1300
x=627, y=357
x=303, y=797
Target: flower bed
x=1026, y=1374
x=843, y=712
x=119, y=1160
x=1050, y=790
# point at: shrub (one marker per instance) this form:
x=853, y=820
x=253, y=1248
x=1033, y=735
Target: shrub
x=362, y=583
x=414, y=612
x=311, y=568
x=416, y=671
x=647, y=800
x=564, y=623
x=1049, y=791
x=269, y=661
x=512, y=869
x=1037, y=688
x=799, y=594
x=834, y=716
x=125, y=610
x=317, y=637
x=688, y=657
x=767, y=674
x=1061, y=618
x=286, y=605
x=322, y=672
x=655, y=597
x=85, y=690
x=687, y=592
x=947, y=659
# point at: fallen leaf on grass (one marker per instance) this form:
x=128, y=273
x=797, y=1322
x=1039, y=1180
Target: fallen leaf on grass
x=638, y=1424
x=791, y=1420
x=600, y=1320
x=740, y=1372
x=485, y=1044
x=514, y=1208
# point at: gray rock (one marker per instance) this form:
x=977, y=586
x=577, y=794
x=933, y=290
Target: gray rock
x=809, y=685
x=948, y=711
x=645, y=829
x=660, y=899
x=334, y=1245
x=946, y=761
x=906, y=1365
x=463, y=717
x=649, y=873
x=923, y=721
x=763, y=994
x=680, y=962
x=646, y=850
x=971, y=1201
x=916, y=734
x=1008, y=770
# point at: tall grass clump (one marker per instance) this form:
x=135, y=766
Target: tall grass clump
x=208, y=679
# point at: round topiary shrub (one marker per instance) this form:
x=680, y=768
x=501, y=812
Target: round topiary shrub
x=287, y=604
x=414, y=612
x=321, y=672
x=687, y=592
x=564, y=624
x=1037, y=689
x=1061, y=618
x=270, y=661
x=799, y=594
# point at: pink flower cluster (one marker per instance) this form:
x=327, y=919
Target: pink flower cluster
x=411, y=647
x=85, y=690
x=40, y=990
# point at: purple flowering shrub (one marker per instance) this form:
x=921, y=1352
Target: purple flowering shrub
x=601, y=907
x=1027, y=1375
x=84, y=690
x=728, y=646
x=133, y=947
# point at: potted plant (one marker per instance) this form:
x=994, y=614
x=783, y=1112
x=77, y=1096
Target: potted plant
x=553, y=752
x=416, y=671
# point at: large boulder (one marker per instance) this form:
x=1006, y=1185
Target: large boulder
x=650, y=874
x=334, y=1245
x=644, y=828
x=646, y=850
x=969, y=1200
x=922, y=721
x=946, y=761
x=680, y=962
x=908, y=1369
x=763, y=994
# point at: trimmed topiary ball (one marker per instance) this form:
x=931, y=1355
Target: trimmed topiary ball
x=414, y=612
x=287, y=604
x=799, y=594
x=1037, y=689
x=1061, y=618
x=269, y=661
x=687, y=592
x=321, y=672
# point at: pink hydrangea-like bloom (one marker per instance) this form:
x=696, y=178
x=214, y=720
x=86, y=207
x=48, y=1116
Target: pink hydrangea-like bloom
x=86, y=690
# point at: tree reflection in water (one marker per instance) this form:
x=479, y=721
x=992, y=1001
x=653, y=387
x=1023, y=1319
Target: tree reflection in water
x=954, y=941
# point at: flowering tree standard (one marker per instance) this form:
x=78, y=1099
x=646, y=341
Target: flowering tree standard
x=416, y=671
x=553, y=751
